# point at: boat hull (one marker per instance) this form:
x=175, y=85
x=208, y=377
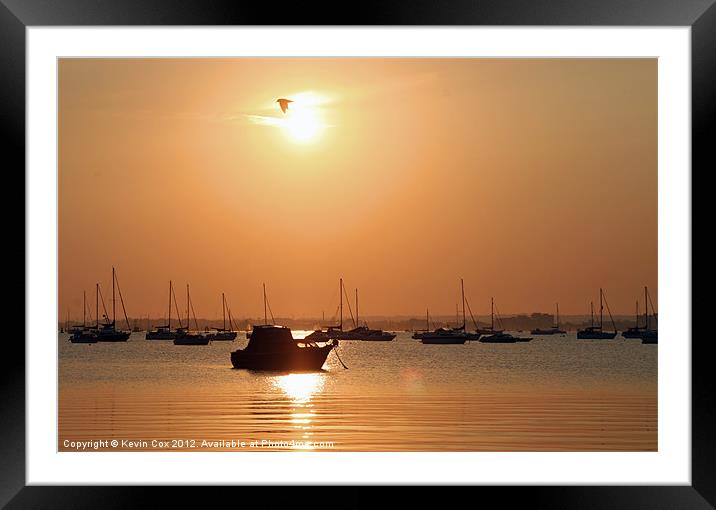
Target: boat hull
x=322, y=336
x=596, y=335
x=226, y=335
x=115, y=336
x=300, y=359
x=500, y=339
x=650, y=337
x=387, y=337
x=443, y=340
x=384, y=338
x=83, y=339
x=633, y=333
x=191, y=340
x=153, y=335
x=547, y=332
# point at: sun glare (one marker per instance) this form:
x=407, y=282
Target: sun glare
x=302, y=125
x=300, y=387
x=303, y=121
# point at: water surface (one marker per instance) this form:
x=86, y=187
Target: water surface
x=555, y=393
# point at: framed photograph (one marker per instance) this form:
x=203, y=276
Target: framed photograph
x=432, y=248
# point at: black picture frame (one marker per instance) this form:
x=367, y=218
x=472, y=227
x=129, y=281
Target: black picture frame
x=700, y=15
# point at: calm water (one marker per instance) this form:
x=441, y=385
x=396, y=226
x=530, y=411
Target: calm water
x=554, y=393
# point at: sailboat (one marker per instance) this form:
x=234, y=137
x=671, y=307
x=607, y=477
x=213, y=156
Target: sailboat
x=273, y=347
x=357, y=333
x=165, y=332
x=223, y=333
x=498, y=336
x=363, y=332
x=108, y=332
x=183, y=336
x=418, y=335
x=456, y=335
x=597, y=332
x=554, y=330
x=649, y=335
x=67, y=328
x=85, y=335
x=321, y=334
x=636, y=331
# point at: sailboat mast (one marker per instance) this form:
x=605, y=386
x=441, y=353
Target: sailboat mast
x=601, y=310
x=113, y=307
x=357, y=322
x=340, y=292
x=170, y=305
x=187, y=307
x=96, y=303
x=557, y=323
x=265, y=316
x=223, y=309
x=646, y=309
x=492, y=315
x=462, y=291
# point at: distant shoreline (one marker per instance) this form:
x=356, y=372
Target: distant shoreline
x=394, y=323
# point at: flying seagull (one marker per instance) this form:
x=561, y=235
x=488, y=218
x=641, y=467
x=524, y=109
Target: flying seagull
x=283, y=103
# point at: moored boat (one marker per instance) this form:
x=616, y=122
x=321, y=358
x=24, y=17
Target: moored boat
x=223, y=333
x=366, y=334
x=418, y=335
x=636, y=331
x=165, y=332
x=320, y=335
x=443, y=336
x=357, y=333
x=553, y=330
x=108, y=331
x=649, y=335
x=273, y=347
x=161, y=333
x=85, y=334
x=594, y=332
x=498, y=336
x=183, y=335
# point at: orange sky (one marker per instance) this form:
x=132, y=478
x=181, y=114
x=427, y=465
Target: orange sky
x=534, y=180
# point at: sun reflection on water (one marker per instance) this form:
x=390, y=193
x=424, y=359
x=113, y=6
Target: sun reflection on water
x=300, y=387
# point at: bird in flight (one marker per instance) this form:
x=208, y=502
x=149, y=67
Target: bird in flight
x=283, y=103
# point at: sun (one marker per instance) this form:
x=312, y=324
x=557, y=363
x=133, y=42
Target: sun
x=302, y=125
x=303, y=122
